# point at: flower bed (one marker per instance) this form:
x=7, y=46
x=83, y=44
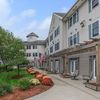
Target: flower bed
x=35, y=83
x=19, y=94
x=44, y=79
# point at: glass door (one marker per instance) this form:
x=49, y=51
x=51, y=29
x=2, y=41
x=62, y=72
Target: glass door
x=72, y=66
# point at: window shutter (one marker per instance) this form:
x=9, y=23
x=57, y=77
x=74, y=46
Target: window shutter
x=90, y=31
x=77, y=15
x=77, y=63
x=89, y=5
x=69, y=41
x=77, y=37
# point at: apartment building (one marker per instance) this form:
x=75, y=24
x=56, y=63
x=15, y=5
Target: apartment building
x=35, y=49
x=83, y=25
x=78, y=39
x=56, y=43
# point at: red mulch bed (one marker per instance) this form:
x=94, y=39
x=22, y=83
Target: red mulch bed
x=21, y=95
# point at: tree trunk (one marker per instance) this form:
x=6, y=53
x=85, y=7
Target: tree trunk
x=18, y=70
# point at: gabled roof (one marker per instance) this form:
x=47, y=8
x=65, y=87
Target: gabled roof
x=77, y=4
x=60, y=14
x=32, y=34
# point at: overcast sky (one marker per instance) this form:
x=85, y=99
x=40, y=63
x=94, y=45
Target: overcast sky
x=24, y=16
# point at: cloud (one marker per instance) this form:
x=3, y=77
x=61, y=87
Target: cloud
x=24, y=22
x=5, y=10
x=45, y=23
x=41, y=28
x=20, y=18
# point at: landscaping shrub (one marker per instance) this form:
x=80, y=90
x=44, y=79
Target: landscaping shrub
x=31, y=70
x=5, y=88
x=47, y=81
x=35, y=82
x=39, y=77
x=24, y=84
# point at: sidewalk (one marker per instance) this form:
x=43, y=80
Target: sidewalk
x=67, y=89
x=79, y=85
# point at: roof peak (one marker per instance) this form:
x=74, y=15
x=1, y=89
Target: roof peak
x=32, y=34
x=60, y=14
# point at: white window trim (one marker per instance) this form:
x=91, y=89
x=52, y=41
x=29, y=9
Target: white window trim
x=94, y=7
x=92, y=28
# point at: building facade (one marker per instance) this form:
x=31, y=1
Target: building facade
x=35, y=49
x=56, y=43
x=83, y=25
x=79, y=28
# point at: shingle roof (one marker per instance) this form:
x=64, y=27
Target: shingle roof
x=32, y=34
x=61, y=14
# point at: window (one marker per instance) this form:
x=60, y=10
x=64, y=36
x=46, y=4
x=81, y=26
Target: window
x=74, y=18
x=51, y=37
x=70, y=23
x=35, y=54
x=39, y=54
x=72, y=40
x=57, y=31
x=28, y=46
x=95, y=28
x=57, y=46
x=28, y=54
x=92, y=4
x=75, y=39
x=95, y=3
x=51, y=49
x=34, y=46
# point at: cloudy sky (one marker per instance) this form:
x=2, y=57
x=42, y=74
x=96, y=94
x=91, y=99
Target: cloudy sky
x=24, y=16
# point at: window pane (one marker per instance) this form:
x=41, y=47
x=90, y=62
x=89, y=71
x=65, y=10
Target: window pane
x=95, y=28
x=95, y=3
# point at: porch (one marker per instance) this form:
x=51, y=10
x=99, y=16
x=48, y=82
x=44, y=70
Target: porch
x=88, y=55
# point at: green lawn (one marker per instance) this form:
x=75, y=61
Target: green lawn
x=7, y=77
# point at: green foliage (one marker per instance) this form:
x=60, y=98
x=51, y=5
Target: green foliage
x=7, y=77
x=24, y=84
x=12, y=51
x=5, y=88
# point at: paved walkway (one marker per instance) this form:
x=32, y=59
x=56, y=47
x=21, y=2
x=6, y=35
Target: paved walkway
x=62, y=90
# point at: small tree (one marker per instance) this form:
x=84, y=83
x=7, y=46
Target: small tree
x=12, y=51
